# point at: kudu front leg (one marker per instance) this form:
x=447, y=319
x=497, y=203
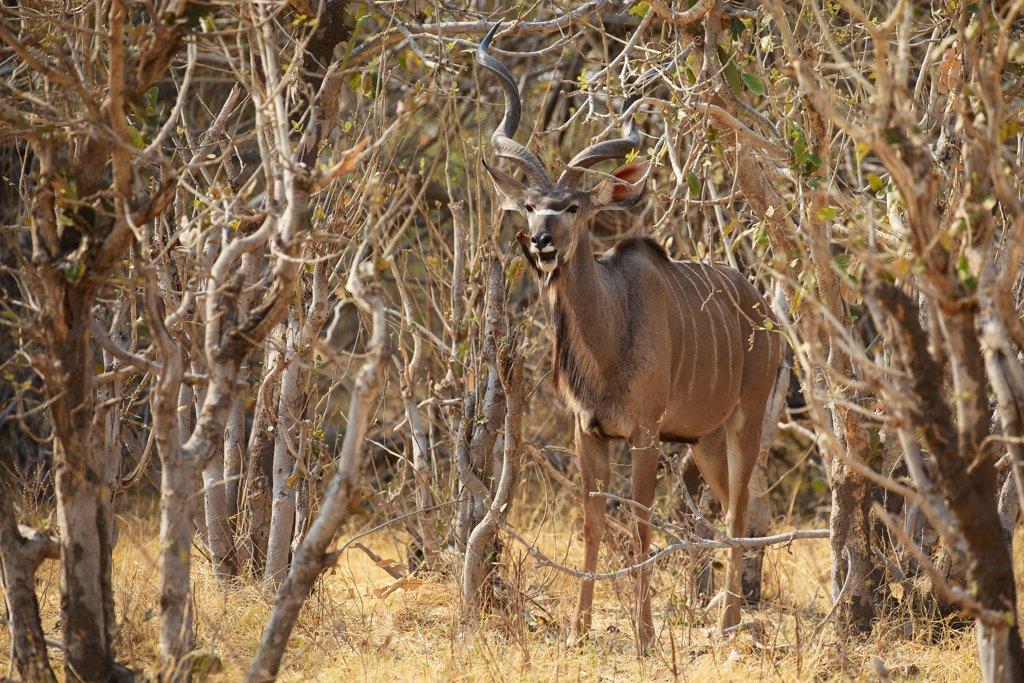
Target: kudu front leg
x=592, y=457
x=644, y=453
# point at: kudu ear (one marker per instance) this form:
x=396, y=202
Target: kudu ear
x=623, y=193
x=509, y=190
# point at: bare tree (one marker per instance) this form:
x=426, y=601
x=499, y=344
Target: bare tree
x=313, y=556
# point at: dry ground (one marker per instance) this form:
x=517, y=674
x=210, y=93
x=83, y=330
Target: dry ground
x=350, y=630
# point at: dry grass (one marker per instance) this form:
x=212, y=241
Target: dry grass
x=348, y=631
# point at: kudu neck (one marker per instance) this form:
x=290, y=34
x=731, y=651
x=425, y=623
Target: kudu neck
x=579, y=293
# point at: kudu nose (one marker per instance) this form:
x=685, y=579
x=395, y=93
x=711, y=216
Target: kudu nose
x=542, y=240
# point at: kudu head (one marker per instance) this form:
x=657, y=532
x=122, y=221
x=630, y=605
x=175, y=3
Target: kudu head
x=557, y=213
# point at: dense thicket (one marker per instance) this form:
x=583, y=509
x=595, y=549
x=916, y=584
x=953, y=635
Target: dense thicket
x=252, y=265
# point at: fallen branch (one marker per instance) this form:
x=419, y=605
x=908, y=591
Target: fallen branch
x=702, y=544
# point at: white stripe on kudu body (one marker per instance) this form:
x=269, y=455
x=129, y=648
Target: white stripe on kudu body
x=644, y=346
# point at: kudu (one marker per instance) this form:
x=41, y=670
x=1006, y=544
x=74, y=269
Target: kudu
x=645, y=347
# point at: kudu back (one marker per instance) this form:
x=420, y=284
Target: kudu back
x=646, y=348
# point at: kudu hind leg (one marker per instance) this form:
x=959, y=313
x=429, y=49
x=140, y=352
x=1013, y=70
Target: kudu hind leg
x=645, y=476
x=758, y=524
x=744, y=442
x=592, y=457
x=710, y=456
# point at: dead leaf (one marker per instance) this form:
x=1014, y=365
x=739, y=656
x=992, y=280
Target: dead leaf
x=949, y=70
x=409, y=583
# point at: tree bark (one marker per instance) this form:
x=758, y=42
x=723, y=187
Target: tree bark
x=282, y=511
x=260, y=454
x=218, y=521
x=420, y=439
x=177, y=489
x=81, y=509
x=288, y=457
x=473, y=458
x=234, y=448
x=20, y=555
x=967, y=476
x=481, y=540
x=235, y=443
x=66, y=367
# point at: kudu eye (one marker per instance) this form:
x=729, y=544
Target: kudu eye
x=573, y=209
x=529, y=208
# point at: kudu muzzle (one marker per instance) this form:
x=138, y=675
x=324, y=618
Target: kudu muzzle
x=543, y=251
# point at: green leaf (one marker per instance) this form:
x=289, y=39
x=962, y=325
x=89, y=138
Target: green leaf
x=515, y=270
x=583, y=79
x=640, y=9
x=693, y=182
x=754, y=83
x=761, y=235
x=894, y=135
x=732, y=72
x=151, y=98
x=828, y=213
x=74, y=271
x=136, y=137
x=875, y=182
x=843, y=262
x=968, y=279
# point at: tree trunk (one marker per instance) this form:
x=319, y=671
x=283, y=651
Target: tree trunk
x=998, y=654
x=19, y=558
x=176, y=494
x=220, y=539
x=481, y=544
x=303, y=492
x=759, y=517
x=758, y=524
x=260, y=454
x=222, y=501
x=282, y=516
x=421, y=476
x=965, y=472
x=110, y=395
x=86, y=602
x=849, y=538
x=473, y=459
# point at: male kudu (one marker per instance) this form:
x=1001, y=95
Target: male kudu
x=645, y=347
